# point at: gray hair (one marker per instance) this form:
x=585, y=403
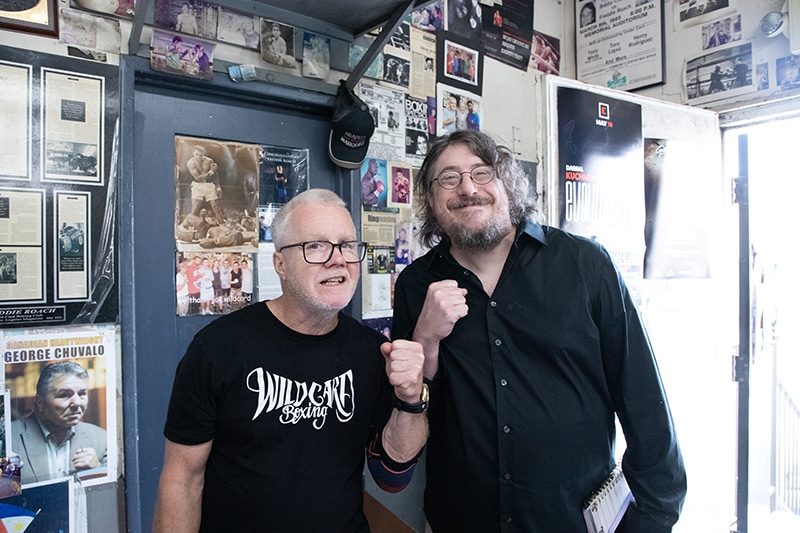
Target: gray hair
x=56, y=370
x=280, y=224
x=521, y=197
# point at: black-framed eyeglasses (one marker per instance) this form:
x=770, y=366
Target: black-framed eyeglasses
x=451, y=179
x=320, y=252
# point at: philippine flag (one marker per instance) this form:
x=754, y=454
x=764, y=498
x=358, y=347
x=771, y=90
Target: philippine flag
x=14, y=519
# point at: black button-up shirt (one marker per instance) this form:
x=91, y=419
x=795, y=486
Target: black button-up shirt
x=522, y=408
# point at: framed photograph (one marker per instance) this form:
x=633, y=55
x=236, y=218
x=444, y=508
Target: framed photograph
x=626, y=55
x=457, y=110
x=32, y=16
x=463, y=64
x=720, y=73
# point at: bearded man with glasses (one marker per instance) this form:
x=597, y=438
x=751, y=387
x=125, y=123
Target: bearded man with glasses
x=532, y=345
x=275, y=406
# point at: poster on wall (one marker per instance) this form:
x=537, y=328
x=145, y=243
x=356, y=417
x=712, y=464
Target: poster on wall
x=508, y=32
x=182, y=55
x=72, y=249
x=15, y=123
x=676, y=241
x=373, y=184
x=423, y=63
x=10, y=464
x=397, y=58
x=619, y=43
x=400, y=184
x=691, y=13
x=73, y=108
x=719, y=73
x=193, y=17
x=89, y=31
x=213, y=283
x=316, y=56
x=283, y=174
x=63, y=381
x=387, y=106
x=600, y=186
x=545, y=53
x=21, y=245
x=378, y=268
x=119, y=8
x=51, y=504
x=787, y=72
x=216, y=195
x=238, y=28
x=278, y=43
x=417, y=135
x=463, y=18
x=721, y=32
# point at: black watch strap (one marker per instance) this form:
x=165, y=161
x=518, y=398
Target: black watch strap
x=419, y=407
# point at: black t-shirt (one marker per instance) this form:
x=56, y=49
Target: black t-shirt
x=290, y=416
x=236, y=279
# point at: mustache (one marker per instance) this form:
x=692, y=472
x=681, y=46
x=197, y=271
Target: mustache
x=468, y=201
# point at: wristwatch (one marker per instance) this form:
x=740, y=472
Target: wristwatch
x=420, y=407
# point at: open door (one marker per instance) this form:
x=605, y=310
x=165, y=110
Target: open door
x=762, y=157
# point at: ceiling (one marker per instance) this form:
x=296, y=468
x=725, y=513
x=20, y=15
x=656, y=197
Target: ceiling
x=344, y=20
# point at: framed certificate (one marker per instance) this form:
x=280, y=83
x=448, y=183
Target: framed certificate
x=32, y=16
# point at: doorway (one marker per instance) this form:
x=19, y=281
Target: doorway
x=762, y=152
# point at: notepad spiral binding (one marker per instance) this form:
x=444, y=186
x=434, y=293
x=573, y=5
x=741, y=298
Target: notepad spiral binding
x=605, y=508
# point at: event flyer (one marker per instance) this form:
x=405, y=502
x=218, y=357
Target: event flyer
x=601, y=189
x=619, y=43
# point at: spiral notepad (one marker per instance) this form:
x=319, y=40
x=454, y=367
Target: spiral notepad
x=606, y=506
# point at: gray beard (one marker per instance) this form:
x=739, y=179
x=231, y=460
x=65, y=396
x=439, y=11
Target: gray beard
x=481, y=240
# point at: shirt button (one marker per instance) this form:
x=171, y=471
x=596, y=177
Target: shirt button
x=509, y=520
x=503, y=382
x=493, y=303
x=498, y=342
x=506, y=476
x=506, y=429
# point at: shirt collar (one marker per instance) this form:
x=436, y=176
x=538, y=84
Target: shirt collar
x=46, y=432
x=530, y=228
x=533, y=229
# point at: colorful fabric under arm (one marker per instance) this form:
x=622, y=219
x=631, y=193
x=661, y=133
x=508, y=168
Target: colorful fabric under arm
x=390, y=475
